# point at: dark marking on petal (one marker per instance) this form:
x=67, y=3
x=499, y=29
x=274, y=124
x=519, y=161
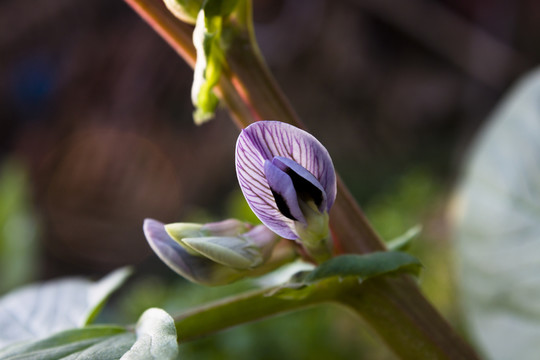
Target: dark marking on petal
x=306, y=186
x=306, y=190
x=282, y=206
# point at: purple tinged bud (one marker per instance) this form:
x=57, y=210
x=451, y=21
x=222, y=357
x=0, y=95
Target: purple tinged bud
x=287, y=178
x=264, y=239
x=194, y=268
x=214, y=253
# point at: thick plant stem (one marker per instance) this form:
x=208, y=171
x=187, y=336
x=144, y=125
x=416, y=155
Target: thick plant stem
x=242, y=309
x=401, y=330
x=394, y=307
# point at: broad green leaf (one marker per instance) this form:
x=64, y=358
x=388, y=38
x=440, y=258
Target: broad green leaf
x=36, y=311
x=366, y=266
x=156, y=337
x=497, y=229
x=94, y=342
x=362, y=267
x=99, y=292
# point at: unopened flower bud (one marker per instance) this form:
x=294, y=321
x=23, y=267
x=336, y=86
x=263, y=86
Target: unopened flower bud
x=288, y=180
x=211, y=254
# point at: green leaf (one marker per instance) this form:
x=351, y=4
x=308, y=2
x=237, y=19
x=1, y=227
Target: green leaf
x=36, y=311
x=497, y=229
x=99, y=292
x=365, y=266
x=156, y=337
x=93, y=342
x=361, y=266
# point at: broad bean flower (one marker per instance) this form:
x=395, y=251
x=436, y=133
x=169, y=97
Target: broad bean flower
x=211, y=254
x=288, y=180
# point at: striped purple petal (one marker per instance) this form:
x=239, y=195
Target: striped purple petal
x=264, y=141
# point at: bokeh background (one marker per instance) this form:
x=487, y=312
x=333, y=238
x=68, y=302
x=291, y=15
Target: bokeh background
x=96, y=134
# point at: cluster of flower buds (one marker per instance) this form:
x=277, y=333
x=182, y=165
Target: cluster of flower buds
x=288, y=180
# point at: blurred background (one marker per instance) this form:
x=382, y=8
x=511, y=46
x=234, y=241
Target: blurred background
x=96, y=134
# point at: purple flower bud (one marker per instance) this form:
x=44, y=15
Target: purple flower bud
x=214, y=253
x=286, y=175
x=195, y=268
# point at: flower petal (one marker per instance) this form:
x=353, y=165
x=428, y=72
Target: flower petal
x=284, y=192
x=252, y=180
x=265, y=140
x=304, y=182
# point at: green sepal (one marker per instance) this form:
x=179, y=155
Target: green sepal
x=180, y=231
x=234, y=252
x=315, y=233
x=207, y=38
x=207, y=68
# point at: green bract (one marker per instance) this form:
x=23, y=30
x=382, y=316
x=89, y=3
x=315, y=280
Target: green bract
x=210, y=56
